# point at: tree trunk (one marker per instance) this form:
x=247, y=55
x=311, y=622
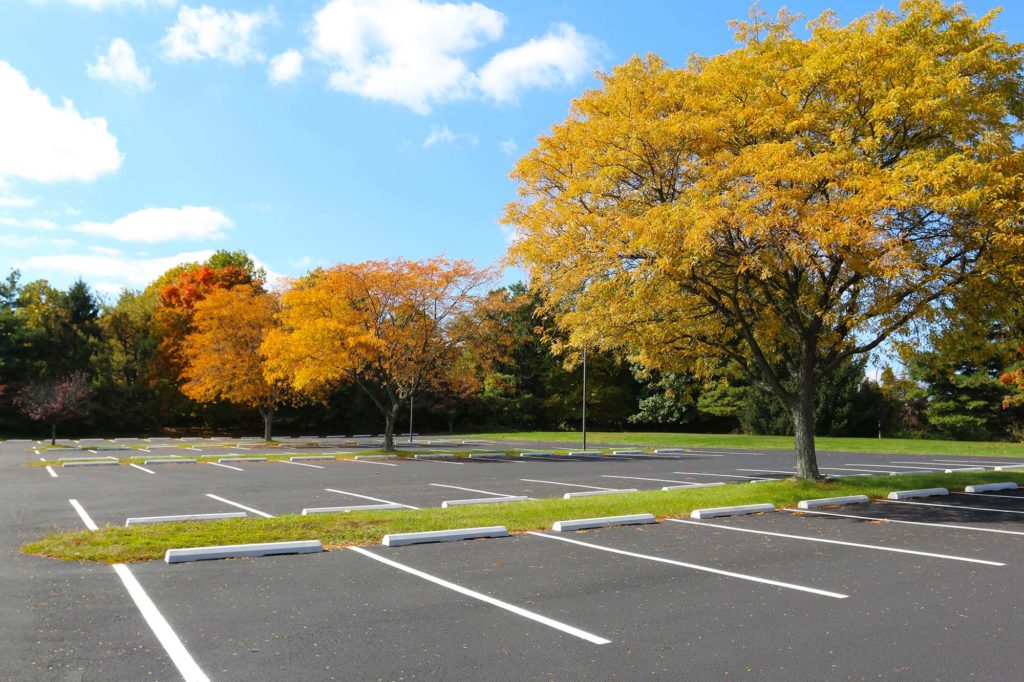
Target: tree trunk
x=803, y=427
x=390, y=417
x=53, y=433
x=268, y=422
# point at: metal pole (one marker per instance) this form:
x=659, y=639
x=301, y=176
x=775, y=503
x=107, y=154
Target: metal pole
x=584, y=398
x=410, y=414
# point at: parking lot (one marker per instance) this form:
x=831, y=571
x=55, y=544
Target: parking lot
x=924, y=589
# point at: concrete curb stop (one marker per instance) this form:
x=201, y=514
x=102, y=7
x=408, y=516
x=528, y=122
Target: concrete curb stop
x=183, y=460
x=177, y=556
x=990, y=487
x=714, y=512
x=352, y=508
x=603, y=522
x=484, y=500
x=832, y=501
x=694, y=485
x=921, y=492
x=594, y=493
x=140, y=520
x=400, y=539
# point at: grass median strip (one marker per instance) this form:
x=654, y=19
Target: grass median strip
x=115, y=544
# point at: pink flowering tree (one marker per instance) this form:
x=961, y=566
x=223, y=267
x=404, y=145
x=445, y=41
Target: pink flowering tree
x=53, y=402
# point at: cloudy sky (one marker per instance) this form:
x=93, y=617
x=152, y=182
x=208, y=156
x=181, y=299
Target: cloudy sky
x=136, y=134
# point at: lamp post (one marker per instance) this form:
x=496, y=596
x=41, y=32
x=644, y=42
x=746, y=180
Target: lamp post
x=584, y=398
x=410, y=413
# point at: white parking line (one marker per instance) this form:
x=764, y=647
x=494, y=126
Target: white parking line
x=218, y=464
x=298, y=464
x=367, y=497
x=240, y=506
x=141, y=468
x=471, y=490
x=84, y=515
x=179, y=655
x=769, y=471
x=897, y=466
x=974, y=461
x=50, y=470
x=846, y=468
x=840, y=542
x=544, y=620
x=704, y=473
x=953, y=506
x=641, y=478
x=569, y=485
x=696, y=567
x=884, y=519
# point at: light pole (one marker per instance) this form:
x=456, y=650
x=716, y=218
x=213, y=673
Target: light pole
x=584, y=398
x=410, y=413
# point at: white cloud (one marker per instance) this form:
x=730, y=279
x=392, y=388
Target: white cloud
x=404, y=51
x=105, y=250
x=285, y=67
x=152, y=225
x=118, y=66
x=508, y=146
x=129, y=271
x=32, y=223
x=558, y=58
x=209, y=33
x=45, y=143
x=445, y=135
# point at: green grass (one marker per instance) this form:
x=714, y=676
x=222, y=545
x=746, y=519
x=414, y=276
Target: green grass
x=896, y=446
x=268, y=455
x=112, y=544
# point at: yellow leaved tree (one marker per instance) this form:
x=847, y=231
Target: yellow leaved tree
x=390, y=327
x=786, y=205
x=223, y=356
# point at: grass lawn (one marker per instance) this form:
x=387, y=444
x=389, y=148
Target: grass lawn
x=113, y=544
x=896, y=446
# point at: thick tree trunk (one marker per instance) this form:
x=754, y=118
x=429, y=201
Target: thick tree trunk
x=803, y=428
x=268, y=422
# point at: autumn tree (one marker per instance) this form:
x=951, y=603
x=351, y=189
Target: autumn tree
x=788, y=205
x=388, y=327
x=223, y=359
x=55, y=401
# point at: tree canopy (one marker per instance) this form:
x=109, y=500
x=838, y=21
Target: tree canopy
x=784, y=206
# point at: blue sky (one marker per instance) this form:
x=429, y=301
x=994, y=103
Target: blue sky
x=304, y=133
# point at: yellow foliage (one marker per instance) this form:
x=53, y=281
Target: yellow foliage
x=786, y=204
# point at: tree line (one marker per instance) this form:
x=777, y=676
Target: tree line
x=187, y=354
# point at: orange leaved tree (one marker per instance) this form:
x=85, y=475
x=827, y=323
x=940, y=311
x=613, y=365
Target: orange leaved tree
x=223, y=357
x=387, y=326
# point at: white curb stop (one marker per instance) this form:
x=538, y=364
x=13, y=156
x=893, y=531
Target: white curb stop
x=953, y=471
x=373, y=456
x=177, y=556
x=627, y=452
x=584, y=452
x=536, y=454
x=170, y=461
x=669, y=451
x=241, y=459
x=399, y=539
x=1010, y=467
x=303, y=458
x=139, y=520
x=714, y=512
x=603, y=522
x=96, y=463
x=990, y=487
x=832, y=501
x=484, y=500
x=593, y=493
x=440, y=455
x=485, y=455
x=921, y=492
x=353, y=508
x=694, y=485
